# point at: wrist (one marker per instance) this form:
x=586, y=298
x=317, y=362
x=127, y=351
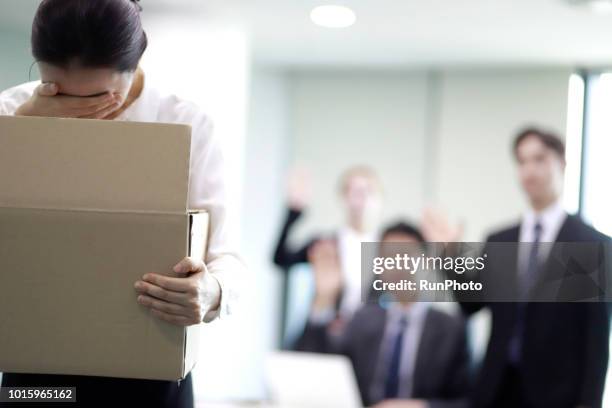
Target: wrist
x=211, y=297
x=323, y=302
x=23, y=110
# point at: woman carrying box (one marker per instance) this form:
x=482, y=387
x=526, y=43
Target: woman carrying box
x=88, y=54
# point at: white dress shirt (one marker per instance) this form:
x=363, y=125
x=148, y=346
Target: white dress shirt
x=207, y=184
x=551, y=219
x=349, y=248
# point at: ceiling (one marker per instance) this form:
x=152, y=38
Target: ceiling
x=396, y=33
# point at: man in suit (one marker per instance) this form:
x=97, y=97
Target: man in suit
x=405, y=354
x=540, y=354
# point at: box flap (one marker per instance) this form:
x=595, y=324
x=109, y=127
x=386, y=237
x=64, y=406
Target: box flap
x=199, y=223
x=94, y=165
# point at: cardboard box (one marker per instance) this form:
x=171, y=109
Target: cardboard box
x=86, y=208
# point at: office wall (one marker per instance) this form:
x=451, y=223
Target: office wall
x=345, y=118
x=439, y=138
x=267, y=147
x=16, y=58
x=479, y=112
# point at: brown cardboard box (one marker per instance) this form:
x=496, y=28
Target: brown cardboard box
x=86, y=208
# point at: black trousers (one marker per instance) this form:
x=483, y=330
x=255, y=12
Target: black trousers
x=106, y=391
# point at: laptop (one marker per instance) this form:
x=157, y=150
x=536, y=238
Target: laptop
x=296, y=380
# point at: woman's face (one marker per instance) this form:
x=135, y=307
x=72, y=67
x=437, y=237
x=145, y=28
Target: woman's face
x=79, y=81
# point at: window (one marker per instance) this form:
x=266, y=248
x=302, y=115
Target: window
x=596, y=191
x=589, y=155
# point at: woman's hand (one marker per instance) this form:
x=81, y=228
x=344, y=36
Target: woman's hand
x=299, y=189
x=436, y=227
x=183, y=300
x=46, y=102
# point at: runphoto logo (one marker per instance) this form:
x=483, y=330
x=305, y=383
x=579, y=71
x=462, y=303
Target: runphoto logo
x=412, y=264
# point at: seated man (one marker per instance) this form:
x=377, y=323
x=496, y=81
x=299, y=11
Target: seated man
x=404, y=353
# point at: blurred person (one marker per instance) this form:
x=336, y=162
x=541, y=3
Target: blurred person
x=539, y=354
x=361, y=192
x=88, y=53
x=405, y=354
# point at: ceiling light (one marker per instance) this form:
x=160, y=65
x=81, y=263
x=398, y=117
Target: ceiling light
x=331, y=16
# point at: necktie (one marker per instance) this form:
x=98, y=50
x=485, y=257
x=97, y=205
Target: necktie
x=393, y=375
x=530, y=274
x=526, y=282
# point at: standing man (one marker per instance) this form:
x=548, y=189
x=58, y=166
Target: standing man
x=539, y=354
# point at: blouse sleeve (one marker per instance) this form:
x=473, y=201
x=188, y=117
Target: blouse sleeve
x=3, y=111
x=13, y=98
x=208, y=185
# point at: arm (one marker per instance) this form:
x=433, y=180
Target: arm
x=284, y=256
x=468, y=302
x=208, y=186
x=323, y=327
x=11, y=99
x=3, y=110
x=437, y=229
x=205, y=289
x=36, y=99
x=214, y=282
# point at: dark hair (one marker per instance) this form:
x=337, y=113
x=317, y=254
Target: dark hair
x=549, y=139
x=402, y=227
x=92, y=33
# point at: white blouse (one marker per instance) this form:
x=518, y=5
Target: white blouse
x=207, y=186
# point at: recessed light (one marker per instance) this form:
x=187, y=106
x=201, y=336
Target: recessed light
x=332, y=16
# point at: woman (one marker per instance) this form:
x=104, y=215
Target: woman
x=88, y=54
x=361, y=194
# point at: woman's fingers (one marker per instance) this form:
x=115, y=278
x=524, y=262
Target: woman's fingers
x=102, y=113
x=187, y=265
x=84, y=106
x=96, y=101
x=171, y=318
x=162, y=305
x=180, y=298
x=181, y=285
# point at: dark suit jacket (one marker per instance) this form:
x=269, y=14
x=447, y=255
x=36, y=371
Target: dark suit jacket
x=285, y=256
x=441, y=368
x=565, y=345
